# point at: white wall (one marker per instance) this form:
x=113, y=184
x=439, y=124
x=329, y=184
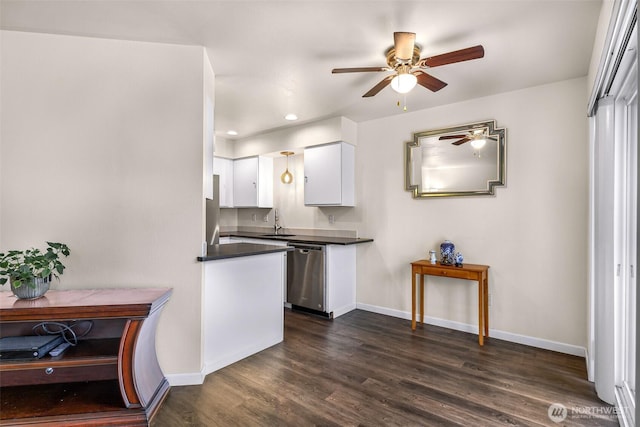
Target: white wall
x=102, y=148
x=297, y=137
x=224, y=147
x=533, y=233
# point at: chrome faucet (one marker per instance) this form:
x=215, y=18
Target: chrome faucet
x=276, y=226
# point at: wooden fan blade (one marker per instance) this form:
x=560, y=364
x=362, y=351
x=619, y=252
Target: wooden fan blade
x=462, y=141
x=403, y=43
x=467, y=54
x=429, y=81
x=377, y=88
x=452, y=137
x=359, y=70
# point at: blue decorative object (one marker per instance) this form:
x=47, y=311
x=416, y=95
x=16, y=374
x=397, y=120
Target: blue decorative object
x=447, y=251
x=458, y=259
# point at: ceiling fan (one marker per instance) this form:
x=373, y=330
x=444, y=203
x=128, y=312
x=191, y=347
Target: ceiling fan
x=477, y=137
x=404, y=59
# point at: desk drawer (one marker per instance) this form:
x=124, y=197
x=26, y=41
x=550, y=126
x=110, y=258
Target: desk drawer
x=59, y=374
x=451, y=272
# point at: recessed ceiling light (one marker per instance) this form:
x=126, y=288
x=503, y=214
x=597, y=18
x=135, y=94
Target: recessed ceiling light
x=291, y=117
x=232, y=132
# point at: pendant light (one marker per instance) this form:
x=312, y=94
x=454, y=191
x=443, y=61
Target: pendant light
x=286, y=176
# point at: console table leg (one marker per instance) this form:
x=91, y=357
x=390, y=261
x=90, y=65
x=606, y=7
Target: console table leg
x=413, y=300
x=480, y=312
x=486, y=306
x=422, y=298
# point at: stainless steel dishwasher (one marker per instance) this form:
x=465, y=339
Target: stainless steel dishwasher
x=306, y=285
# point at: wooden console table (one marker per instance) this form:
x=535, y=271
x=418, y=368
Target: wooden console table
x=477, y=272
x=111, y=377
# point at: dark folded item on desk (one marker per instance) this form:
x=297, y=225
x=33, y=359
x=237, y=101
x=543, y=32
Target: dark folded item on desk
x=28, y=347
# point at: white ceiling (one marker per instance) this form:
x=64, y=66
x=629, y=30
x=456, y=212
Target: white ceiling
x=274, y=57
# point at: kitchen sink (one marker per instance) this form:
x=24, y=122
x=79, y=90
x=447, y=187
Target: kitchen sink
x=277, y=235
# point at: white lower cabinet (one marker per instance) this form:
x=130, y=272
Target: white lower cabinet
x=340, y=275
x=243, y=311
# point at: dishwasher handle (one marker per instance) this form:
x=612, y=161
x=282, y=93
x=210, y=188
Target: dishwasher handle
x=305, y=248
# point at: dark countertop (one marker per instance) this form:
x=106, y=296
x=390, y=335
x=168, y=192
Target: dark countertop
x=234, y=250
x=298, y=238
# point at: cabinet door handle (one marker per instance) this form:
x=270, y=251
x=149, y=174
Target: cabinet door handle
x=306, y=179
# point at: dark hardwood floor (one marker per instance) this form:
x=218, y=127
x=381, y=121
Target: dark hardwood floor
x=366, y=369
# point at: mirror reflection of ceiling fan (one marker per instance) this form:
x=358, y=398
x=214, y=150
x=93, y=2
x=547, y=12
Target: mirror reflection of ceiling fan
x=404, y=60
x=477, y=137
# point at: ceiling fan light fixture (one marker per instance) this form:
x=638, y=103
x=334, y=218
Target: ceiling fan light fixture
x=478, y=143
x=403, y=57
x=403, y=83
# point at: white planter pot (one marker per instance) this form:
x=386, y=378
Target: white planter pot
x=32, y=290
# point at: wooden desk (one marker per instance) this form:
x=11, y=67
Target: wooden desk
x=477, y=272
x=111, y=377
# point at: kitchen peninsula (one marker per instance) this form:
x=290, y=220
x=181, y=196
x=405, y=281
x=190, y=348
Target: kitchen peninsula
x=236, y=250
x=242, y=301
x=244, y=294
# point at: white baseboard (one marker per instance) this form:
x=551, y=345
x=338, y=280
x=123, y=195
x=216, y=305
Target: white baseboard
x=494, y=333
x=185, y=379
x=213, y=365
x=591, y=375
x=343, y=310
x=227, y=359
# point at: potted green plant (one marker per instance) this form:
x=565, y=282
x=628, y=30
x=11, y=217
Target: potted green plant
x=30, y=271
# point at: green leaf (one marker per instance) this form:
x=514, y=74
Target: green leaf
x=23, y=266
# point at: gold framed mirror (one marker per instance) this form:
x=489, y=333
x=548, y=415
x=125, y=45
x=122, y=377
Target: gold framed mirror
x=465, y=160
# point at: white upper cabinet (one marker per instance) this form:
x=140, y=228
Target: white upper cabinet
x=224, y=169
x=329, y=175
x=253, y=182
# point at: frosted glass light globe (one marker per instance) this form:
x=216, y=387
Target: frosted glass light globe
x=403, y=83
